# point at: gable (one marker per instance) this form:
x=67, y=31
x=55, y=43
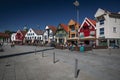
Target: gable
x=19, y=33
x=71, y=22
x=64, y=27
x=30, y=31
x=99, y=12
x=61, y=33
x=88, y=23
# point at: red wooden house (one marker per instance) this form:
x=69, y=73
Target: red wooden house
x=20, y=37
x=87, y=32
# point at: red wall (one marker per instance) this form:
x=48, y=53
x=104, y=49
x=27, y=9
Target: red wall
x=86, y=29
x=19, y=36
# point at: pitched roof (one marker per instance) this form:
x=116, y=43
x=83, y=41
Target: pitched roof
x=89, y=22
x=101, y=12
x=92, y=21
x=53, y=28
x=21, y=31
x=73, y=22
x=38, y=32
x=24, y=32
x=65, y=27
x=4, y=35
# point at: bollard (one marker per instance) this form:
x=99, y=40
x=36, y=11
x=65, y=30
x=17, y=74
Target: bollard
x=109, y=51
x=53, y=57
x=76, y=68
x=42, y=54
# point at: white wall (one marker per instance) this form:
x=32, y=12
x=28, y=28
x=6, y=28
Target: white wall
x=13, y=37
x=30, y=34
x=108, y=25
x=113, y=23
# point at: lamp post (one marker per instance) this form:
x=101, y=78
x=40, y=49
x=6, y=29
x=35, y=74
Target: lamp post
x=76, y=3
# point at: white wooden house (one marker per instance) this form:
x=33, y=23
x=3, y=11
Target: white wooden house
x=108, y=28
x=49, y=34
x=34, y=36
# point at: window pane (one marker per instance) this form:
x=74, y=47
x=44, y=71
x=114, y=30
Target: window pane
x=101, y=31
x=101, y=22
x=114, y=29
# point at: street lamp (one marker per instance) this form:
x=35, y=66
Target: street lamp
x=76, y=3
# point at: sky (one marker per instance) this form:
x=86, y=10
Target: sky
x=17, y=14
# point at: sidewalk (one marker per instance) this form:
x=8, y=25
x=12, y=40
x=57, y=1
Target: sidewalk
x=93, y=65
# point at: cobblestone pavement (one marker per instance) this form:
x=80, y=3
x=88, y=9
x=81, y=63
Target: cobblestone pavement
x=102, y=64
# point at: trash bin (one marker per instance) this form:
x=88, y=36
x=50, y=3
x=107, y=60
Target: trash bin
x=82, y=48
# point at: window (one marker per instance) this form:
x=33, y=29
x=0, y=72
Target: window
x=101, y=31
x=72, y=28
x=81, y=34
x=73, y=35
x=114, y=29
x=102, y=22
x=92, y=33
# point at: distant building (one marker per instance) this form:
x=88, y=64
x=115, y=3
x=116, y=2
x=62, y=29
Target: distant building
x=108, y=28
x=34, y=36
x=61, y=35
x=4, y=37
x=49, y=34
x=18, y=37
x=87, y=32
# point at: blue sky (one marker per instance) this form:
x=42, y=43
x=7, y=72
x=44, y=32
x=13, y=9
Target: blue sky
x=15, y=14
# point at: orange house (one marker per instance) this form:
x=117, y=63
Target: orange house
x=73, y=27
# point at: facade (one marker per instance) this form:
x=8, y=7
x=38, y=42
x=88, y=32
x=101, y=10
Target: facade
x=108, y=28
x=87, y=32
x=49, y=34
x=4, y=37
x=61, y=35
x=73, y=27
x=34, y=36
x=19, y=37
